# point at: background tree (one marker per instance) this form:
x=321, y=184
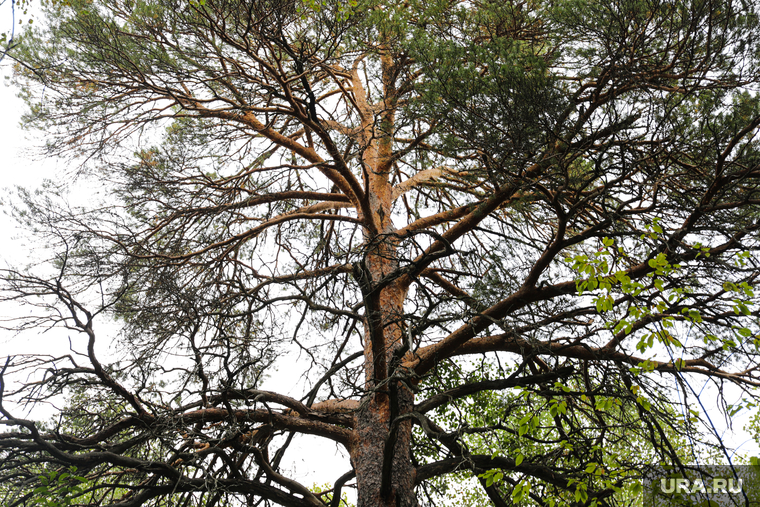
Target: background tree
x=505, y=237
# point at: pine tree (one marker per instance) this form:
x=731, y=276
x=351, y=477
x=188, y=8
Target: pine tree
x=504, y=238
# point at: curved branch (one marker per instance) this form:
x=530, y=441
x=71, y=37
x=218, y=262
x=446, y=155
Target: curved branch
x=293, y=486
x=480, y=462
x=489, y=385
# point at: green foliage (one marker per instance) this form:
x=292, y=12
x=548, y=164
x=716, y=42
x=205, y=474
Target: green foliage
x=59, y=488
x=529, y=434
x=494, y=90
x=325, y=493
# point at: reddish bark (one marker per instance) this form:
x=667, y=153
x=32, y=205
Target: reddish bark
x=367, y=456
x=375, y=433
x=376, y=437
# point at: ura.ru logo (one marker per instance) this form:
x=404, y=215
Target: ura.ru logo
x=715, y=485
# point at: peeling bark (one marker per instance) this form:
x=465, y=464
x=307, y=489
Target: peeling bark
x=367, y=456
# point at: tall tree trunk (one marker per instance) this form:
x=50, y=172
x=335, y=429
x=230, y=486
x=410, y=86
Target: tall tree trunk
x=381, y=448
x=371, y=436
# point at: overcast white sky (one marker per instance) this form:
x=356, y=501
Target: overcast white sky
x=19, y=167
x=16, y=168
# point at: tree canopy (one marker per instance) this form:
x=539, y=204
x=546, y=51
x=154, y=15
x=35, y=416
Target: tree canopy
x=509, y=241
